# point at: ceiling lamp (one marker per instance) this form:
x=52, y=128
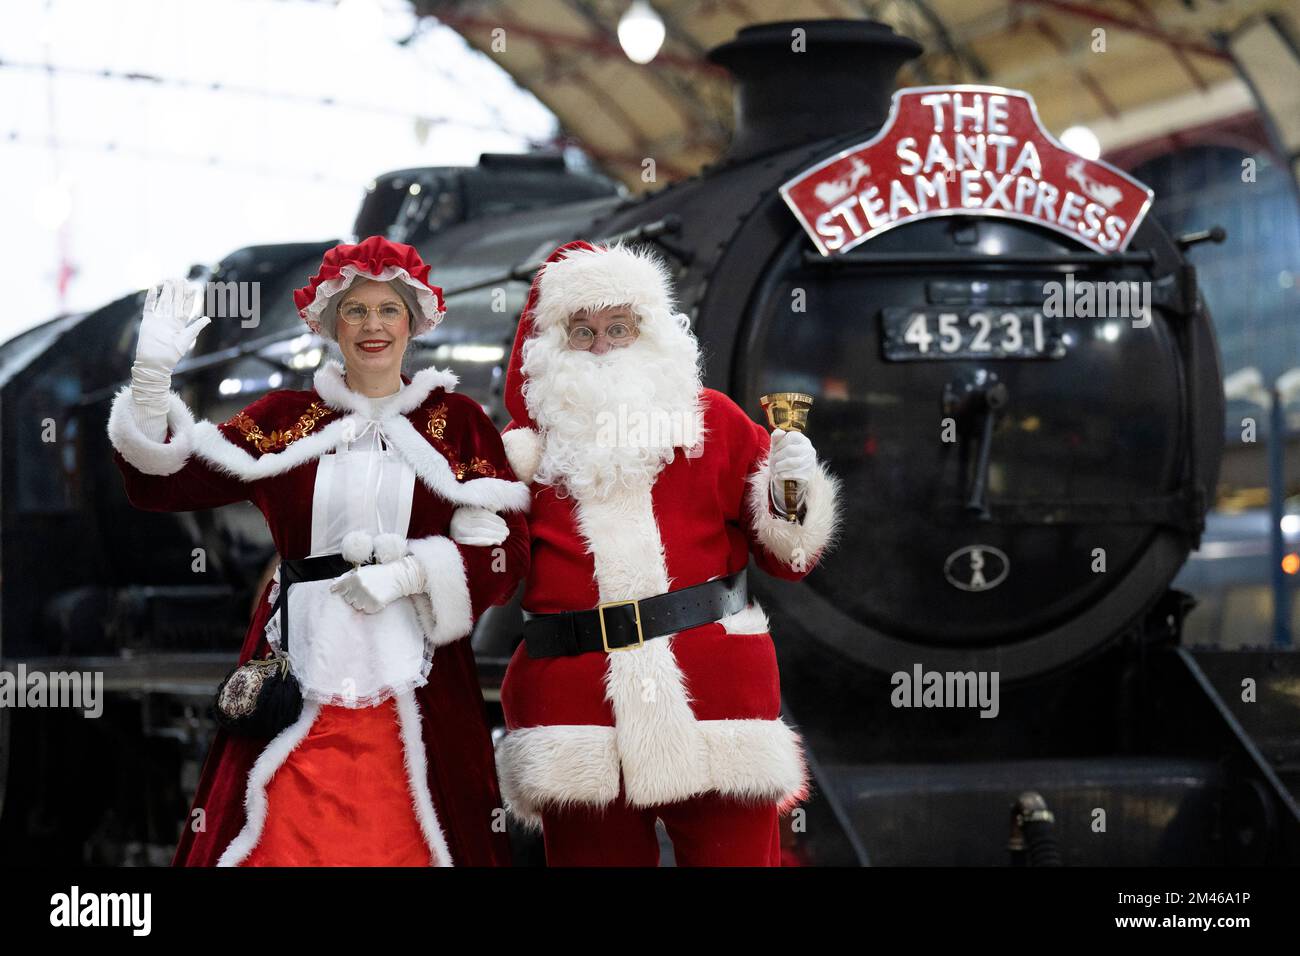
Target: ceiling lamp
x=641, y=32
x=1081, y=140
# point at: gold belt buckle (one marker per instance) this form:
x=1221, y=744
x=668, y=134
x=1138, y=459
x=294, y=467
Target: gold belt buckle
x=640, y=637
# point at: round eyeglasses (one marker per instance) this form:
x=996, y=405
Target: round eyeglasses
x=583, y=338
x=390, y=313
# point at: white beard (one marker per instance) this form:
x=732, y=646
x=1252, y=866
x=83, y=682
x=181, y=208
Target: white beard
x=611, y=422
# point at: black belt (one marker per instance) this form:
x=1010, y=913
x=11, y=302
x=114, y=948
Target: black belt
x=297, y=570
x=616, y=625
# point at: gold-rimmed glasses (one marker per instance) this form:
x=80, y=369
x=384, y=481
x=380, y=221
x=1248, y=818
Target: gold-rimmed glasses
x=354, y=313
x=582, y=337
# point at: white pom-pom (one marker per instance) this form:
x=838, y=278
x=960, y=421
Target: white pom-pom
x=357, y=547
x=389, y=547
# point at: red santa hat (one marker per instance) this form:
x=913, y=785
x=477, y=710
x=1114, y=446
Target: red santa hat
x=578, y=275
x=373, y=258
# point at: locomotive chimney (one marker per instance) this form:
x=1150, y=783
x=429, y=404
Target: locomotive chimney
x=840, y=78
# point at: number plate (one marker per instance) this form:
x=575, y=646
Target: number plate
x=992, y=332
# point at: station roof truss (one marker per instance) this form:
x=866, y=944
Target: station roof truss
x=677, y=110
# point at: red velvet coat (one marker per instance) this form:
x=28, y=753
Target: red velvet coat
x=685, y=714
x=267, y=454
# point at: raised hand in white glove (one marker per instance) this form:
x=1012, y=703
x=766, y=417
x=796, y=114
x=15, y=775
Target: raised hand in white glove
x=166, y=329
x=166, y=334
x=792, y=459
x=372, y=587
x=478, y=526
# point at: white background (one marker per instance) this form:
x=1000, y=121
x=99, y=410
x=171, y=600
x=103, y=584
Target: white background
x=129, y=181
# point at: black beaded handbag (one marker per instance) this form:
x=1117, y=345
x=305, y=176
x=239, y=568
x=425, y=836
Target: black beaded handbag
x=262, y=697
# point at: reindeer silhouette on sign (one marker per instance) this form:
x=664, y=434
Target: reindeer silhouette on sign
x=832, y=191
x=1106, y=195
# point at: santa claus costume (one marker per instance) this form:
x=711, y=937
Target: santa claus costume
x=684, y=726
x=390, y=760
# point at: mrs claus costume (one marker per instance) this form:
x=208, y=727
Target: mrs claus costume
x=390, y=762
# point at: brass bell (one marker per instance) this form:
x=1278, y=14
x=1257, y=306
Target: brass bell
x=789, y=412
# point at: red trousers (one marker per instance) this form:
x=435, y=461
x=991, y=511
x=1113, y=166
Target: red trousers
x=708, y=830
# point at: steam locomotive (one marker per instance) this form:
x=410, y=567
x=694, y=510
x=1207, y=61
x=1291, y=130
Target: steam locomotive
x=1037, y=544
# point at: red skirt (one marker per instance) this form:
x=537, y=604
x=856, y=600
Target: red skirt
x=343, y=796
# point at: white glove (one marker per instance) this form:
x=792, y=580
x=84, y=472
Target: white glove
x=792, y=458
x=372, y=587
x=166, y=334
x=478, y=526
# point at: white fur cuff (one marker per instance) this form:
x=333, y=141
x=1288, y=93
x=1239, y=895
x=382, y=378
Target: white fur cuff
x=798, y=544
x=144, y=453
x=523, y=451
x=444, y=608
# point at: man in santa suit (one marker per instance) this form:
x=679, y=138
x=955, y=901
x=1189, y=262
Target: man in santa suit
x=646, y=686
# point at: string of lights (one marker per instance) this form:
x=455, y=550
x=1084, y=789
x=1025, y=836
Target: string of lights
x=373, y=109
x=60, y=144
x=18, y=137
x=418, y=46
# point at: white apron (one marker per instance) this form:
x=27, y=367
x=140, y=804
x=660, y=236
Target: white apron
x=340, y=655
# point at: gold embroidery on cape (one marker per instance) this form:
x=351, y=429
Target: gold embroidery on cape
x=437, y=429
x=480, y=466
x=278, y=440
x=437, y=421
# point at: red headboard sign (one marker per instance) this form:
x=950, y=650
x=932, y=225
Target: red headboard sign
x=969, y=151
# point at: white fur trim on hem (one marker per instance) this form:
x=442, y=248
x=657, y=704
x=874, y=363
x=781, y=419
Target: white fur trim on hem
x=557, y=766
x=756, y=758
x=268, y=762
x=798, y=544
x=445, y=609
x=523, y=451
x=417, y=773
x=142, y=452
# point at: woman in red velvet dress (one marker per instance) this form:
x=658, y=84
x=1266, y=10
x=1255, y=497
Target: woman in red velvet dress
x=390, y=762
